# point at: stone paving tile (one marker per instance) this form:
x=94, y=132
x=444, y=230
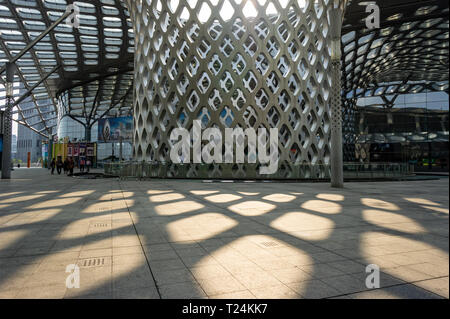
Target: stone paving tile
x=222, y=240
x=314, y=289
x=182, y=291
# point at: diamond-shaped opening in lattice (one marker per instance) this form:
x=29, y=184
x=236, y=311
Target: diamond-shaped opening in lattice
x=227, y=82
x=304, y=137
x=250, y=81
x=320, y=138
x=239, y=64
x=311, y=87
x=295, y=154
x=205, y=13
x=183, y=17
x=204, y=83
x=173, y=102
x=284, y=100
x=182, y=118
x=303, y=36
x=182, y=84
x=173, y=69
x=238, y=99
x=157, y=104
x=294, y=119
x=262, y=64
x=215, y=100
x=261, y=29
x=226, y=117
x=283, y=31
x=157, y=8
x=174, y=35
x=319, y=73
x=215, y=30
x=238, y=29
x=165, y=21
x=250, y=117
x=156, y=137
x=193, y=101
x=284, y=66
x=273, y=82
x=249, y=10
x=303, y=69
x=193, y=66
x=193, y=32
x=293, y=17
x=173, y=5
x=284, y=136
x=139, y=152
x=261, y=99
x=215, y=65
x=164, y=54
x=272, y=13
x=312, y=121
x=320, y=105
x=294, y=84
x=163, y=152
x=318, y=43
x=273, y=117
x=303, y=102
x=157, y=73
x=319, y=10
x=312, y=154
x=183, y=50
x=204, y=48
x=250, y=46
x=145, y=77
x=226, y=11
x=164, y=88
x=227, y=46
x=273, y=47
x=164, y=120
x=157, y=41
x=204, y=116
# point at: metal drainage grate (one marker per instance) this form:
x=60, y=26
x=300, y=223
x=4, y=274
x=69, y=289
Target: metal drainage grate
x=270, y=244
x=100, y=225
x=92, y=262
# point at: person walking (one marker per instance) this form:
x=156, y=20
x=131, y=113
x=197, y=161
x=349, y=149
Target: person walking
x=71, y=166
x=66, y=166
x=88, y=164
x=59, y=166
x=82, y=163
x=53, y=165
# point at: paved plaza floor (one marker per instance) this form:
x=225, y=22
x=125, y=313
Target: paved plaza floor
x=191, y=239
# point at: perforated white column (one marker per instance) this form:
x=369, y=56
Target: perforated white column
x=234, y=64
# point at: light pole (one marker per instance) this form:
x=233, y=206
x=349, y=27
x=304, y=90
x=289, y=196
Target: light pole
x=7, y=121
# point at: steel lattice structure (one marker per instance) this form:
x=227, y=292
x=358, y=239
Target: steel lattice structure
x=96, y=59
x=230, y=70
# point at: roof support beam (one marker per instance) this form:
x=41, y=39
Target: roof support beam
x=39, y=38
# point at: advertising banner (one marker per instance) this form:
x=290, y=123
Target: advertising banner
x=112, y=129
x=76, y=150
x=70, y=150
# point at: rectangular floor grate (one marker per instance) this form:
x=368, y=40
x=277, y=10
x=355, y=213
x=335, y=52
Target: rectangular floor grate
x=92, y=262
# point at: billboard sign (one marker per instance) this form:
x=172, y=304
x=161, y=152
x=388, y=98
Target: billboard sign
x=110, y=130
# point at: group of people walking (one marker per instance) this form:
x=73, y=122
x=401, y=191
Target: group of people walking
x=69, y=165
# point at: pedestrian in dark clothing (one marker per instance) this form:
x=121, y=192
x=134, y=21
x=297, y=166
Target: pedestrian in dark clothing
x=71, y=166
x=59, y=166
x=53, y=165
x=66, y=166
